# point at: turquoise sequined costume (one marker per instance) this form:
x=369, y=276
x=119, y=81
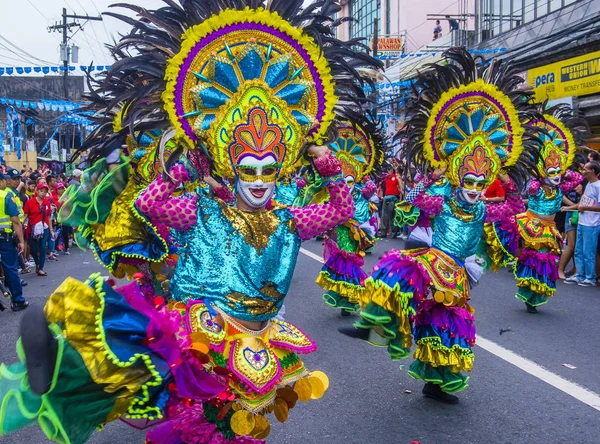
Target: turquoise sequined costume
x=468, y=130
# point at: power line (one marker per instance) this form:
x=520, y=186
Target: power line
x=97, y=41
x=103, y=24
x=40, y=12
x=21, y=58
x=23, y=51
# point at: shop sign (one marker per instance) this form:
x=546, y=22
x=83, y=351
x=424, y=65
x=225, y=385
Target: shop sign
x=578, y=76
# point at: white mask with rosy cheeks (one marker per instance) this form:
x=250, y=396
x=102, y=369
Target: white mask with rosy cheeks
x=553, y=177
x=256, y=179
x=472, y=188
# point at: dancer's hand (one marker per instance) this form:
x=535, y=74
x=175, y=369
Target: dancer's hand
x=318, y=150
x=211, y=182
x=439, y=172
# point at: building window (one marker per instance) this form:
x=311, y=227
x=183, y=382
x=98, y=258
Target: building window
x=364, y=13
x=498, y=16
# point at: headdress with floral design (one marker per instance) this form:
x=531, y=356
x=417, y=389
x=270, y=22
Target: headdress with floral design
x=236, y=77
x=562, y=133
x=469, y=118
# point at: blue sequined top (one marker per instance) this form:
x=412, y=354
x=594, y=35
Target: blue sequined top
x=240, y=262
x=286, y=193
x=440, y=188
x=362, y=213
x=545, y=205
x=457, y=230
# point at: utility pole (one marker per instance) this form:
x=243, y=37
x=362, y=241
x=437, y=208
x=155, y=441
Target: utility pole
x=64, y=50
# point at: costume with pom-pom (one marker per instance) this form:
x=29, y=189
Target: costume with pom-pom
x=235, y=93
x=469, y=130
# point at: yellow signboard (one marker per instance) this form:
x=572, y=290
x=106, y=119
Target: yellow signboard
x=578, y=76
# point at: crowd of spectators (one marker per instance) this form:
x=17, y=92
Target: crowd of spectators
x=30, y=234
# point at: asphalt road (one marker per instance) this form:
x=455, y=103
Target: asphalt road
x=372, y=400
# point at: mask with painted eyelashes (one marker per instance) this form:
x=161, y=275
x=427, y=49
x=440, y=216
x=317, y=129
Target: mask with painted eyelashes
x=248, y=173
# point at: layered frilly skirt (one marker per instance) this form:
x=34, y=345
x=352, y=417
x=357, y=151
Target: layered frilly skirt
x=342, y=275
x=422, y=295
x=536, y=245
x=189, y=370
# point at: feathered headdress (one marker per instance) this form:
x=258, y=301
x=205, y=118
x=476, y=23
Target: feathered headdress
x=360, y=147
x=469, y=119
x=561, y=134
x=235, y=77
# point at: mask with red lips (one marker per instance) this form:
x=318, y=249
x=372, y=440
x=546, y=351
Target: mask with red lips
x=256, y=178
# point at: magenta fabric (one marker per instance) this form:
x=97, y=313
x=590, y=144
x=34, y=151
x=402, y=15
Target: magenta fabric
x=544, y=263
x=457, y=320
x=190, y=426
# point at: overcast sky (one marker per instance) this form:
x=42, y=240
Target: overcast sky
x=24, y=23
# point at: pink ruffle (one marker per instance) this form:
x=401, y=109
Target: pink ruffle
x=503, y=211
x=404, y=270
x=327, y=165
x=544, y=263
x=429, y=205
x=369, y=189
x=191, y=427
x=456, y=320
x=570, y=181
x=331, y=249
x=168, y=338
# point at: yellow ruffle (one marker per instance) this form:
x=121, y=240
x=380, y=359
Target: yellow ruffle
x=390, y=299
x=495, y=249
x=77, y=308
x=345, y=289
x=536, y=286
x=537, y=233
x=438, y=356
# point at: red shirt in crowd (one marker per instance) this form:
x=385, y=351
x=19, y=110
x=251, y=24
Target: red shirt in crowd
x=33, y=210
x=495, y=190
x=391, y=186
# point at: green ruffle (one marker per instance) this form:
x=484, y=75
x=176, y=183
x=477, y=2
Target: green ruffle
x=530, y=297
x=386, y=324
x=442, y=376
x=91, y=202
x=66, y=414
x=334, y=300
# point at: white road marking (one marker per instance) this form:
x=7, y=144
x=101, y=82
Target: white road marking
x=570, y=388
x=312, y=255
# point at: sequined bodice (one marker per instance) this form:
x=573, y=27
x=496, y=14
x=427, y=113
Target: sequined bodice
x=241, y=262
x=440, y=188
x=286, y=192
x=458, y=228
x=362, y=213
x=546, y=204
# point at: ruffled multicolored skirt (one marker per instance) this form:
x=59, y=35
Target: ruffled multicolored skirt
x=203, y=378
x=342, y=275
x=536, y=268
x=501, y=242
x=422, y=294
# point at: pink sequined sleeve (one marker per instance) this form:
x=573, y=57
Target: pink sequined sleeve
x=316, y=219
x=500, y=211
x=157, y=203
x=369, y=189
x=570, y=181
x=534, y=187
